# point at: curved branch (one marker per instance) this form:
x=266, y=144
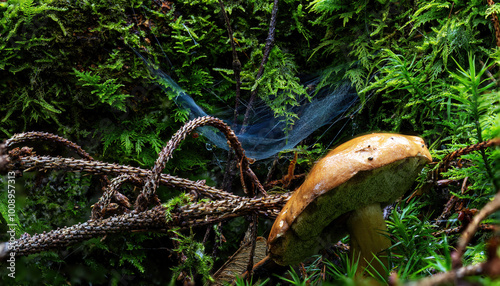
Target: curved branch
x=39, y=136
x=148, y=192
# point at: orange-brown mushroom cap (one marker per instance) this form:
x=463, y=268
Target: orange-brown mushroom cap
x=374, y=168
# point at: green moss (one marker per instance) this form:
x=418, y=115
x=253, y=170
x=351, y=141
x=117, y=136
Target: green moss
x=70, y=67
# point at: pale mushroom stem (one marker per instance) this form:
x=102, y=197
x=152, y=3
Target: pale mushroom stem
x=368, y=239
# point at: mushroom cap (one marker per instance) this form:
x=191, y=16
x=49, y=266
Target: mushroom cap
x=373, y=168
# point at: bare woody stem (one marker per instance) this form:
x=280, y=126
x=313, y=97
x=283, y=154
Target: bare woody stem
x=236, y=61
x=471, y=229
x=127, y=173
x=237, y=70
x=451, y=276
x=46, y=163
x=155, y=219
x=109, y=190
x=466, y=150
x=227, y=180
x=267, y=50
x=100, y=208
x=496, y=23
x=43, y=136
x=148, y=192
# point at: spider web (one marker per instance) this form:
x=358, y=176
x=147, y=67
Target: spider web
x=266, y=135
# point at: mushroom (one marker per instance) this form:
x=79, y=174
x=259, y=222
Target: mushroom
x=344, y=194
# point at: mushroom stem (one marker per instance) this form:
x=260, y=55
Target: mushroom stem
x=368, y=239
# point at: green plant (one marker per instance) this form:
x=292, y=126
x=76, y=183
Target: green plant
x=106, y=91
x=344, y=274
x=412, y=239
x=280, y=88
x=243, y=282
x=296, y=278
x=193, y=255
x=401, y=74
x=140, y=139
x=474, y=96
x=440, y=261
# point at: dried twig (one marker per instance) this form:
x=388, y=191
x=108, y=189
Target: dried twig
x=475, y=147
x=455, y=230
x=490, y=268
x=450, y=276
x=155, y=219
x=267, y=50
x=471, y=229
x=452, y=202
x=148, y=194
x=496, y=24
x=104, y=205
x=151, y=220
x=236, y=61
x=158, y=218
x=39, y=136
x=108, y=191
x=47, y=163
x=253, y=242
x=227, y=181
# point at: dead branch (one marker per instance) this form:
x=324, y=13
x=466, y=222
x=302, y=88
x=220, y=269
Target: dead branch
x=149, y=191
x=44, y=136
x=267, y=50
x=471, y=229
x=155, y=219
x=450, y=276
x=466, y=150
x=236, y=60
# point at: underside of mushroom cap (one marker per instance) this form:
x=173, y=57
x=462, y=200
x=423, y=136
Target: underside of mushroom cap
x=375, y=168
